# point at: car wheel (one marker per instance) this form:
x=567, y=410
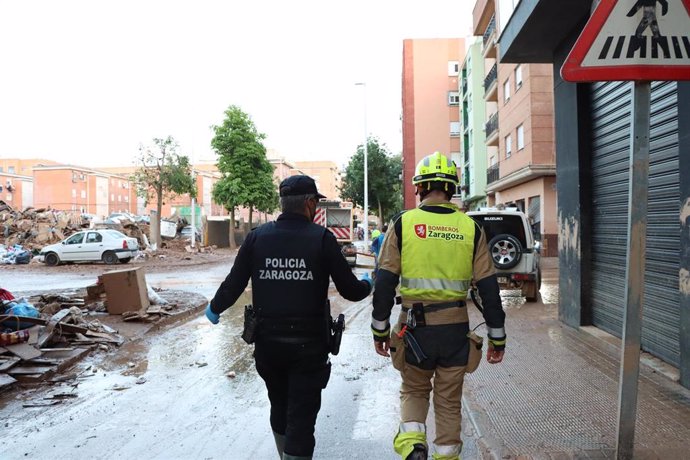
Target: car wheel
x=110, y=258
x=506, y=251
x=52, y=259
x=125, y=260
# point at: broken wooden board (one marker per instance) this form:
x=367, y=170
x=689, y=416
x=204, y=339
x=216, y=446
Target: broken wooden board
x=8, y=362
x=50, y=327
x=24, y=351
x=6, y=380
x=63, y=360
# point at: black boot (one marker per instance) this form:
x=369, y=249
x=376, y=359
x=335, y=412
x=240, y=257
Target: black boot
x=419, y=453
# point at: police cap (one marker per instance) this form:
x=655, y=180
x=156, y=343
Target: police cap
x=299, y=185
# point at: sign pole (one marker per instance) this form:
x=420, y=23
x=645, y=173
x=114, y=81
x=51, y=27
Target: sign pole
x=634, y=292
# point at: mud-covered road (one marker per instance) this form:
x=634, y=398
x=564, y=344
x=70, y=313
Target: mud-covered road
x=192, y=392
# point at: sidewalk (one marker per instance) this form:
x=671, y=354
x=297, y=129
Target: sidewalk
x=555, y=396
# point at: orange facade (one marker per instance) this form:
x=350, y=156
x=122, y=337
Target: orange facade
x=431, y=116
x=72, y=188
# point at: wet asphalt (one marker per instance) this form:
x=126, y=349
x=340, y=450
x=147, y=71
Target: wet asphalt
x=191, y=392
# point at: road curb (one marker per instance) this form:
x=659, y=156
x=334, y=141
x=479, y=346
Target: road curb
x=489, y=446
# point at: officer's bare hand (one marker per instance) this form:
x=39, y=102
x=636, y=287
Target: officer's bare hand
x=382, y=347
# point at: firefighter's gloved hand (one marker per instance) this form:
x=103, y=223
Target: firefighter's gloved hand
x=213, y=317
x=496, y=350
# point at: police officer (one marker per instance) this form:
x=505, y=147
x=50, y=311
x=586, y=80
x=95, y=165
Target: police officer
x=435, y=250
x=289, y=262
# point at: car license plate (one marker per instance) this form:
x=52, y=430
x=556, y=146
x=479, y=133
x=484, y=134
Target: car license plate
x=502, y=279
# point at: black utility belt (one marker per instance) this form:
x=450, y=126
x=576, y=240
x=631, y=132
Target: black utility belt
x=431, y=307
x=416, y=313
x=293, y=326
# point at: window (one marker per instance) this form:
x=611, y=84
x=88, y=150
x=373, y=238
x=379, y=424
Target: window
x=509, y=146
x=83, y=193
x=10, y=169
x=119, y=198
x=518, y=77
x=93, y=237
x=453, y=98
x=454, y=128
x=453, y=68
x=520, y=137
x=0, y=169
x=76, y=238
x=112, y=197
x=506, y=91
x=74, y=193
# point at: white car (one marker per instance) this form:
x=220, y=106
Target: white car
x=107, y=245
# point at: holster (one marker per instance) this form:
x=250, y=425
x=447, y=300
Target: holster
x=251, y=323
x=334, y=329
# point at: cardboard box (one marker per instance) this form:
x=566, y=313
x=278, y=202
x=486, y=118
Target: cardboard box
x=125, y=290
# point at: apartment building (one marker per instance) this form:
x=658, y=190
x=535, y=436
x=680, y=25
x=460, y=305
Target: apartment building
x=16, y=190
x=431, y=104
x=205, y=174
x=519, y=128
x=326, y=174
x=472, y=121
x=85, y=190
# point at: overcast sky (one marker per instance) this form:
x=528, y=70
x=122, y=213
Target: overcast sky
x=86, y=82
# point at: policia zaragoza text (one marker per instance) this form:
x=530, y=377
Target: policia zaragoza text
x=287, y=270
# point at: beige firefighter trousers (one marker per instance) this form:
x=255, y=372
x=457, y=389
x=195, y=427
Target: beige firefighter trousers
x=444, y=382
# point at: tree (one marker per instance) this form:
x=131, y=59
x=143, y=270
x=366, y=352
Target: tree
x=383, y=179
x=247, y=175
x=164, y=173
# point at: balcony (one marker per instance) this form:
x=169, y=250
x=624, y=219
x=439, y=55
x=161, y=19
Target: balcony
x=491, y=130
x=489, y=40
x=492, y=174
x=491, y=85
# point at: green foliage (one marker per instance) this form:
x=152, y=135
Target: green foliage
x=162, y=171
x=247, y=175
x=384, y=169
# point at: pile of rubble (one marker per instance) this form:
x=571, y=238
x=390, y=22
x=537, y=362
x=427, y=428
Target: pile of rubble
x=43, y=335
x=35, y=228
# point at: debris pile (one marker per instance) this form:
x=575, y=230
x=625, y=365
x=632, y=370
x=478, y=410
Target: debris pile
x=36, y=347
x=14, y=255
x=35, y=228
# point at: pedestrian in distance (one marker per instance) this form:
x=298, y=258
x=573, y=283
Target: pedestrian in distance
x=376, y=247
x=289, y=262
x=434, y=251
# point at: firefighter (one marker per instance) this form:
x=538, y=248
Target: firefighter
x=289, y=262
x=435, y=250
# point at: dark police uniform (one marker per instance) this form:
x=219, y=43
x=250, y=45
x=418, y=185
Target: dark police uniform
x=289, y=262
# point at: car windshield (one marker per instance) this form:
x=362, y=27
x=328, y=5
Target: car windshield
x=496, y=224
x=115, y=233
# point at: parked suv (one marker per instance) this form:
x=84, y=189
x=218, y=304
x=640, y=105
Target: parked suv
x=514, y=250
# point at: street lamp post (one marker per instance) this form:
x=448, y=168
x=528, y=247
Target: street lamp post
x=366, y=164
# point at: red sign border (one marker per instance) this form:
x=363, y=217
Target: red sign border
x=573, y=71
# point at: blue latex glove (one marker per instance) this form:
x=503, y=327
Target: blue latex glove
x=212, y=316
x=367, y=279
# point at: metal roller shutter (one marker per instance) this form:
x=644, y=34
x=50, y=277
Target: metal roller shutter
x=611, y=104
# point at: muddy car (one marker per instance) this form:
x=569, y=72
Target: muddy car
x=513, y=249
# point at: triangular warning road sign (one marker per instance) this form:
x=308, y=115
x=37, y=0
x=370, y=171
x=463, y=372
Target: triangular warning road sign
x=633, y=40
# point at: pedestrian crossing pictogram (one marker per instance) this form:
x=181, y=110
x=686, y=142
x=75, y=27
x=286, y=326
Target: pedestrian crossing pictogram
x=631, y=46
x=633, y=40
